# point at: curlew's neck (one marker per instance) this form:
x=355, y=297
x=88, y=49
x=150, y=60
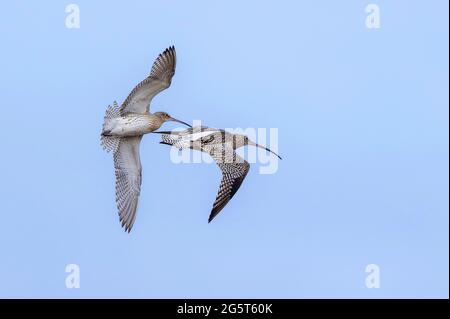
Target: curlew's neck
x=155, y=122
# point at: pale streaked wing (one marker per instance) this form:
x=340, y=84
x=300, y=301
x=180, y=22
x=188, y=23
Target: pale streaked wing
x=163, y=69
x=233, y=174
x=128, y=170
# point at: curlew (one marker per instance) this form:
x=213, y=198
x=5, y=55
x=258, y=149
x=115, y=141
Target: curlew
x=221, y=146
x=124, y=127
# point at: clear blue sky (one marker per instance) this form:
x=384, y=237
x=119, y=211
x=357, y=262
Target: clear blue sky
x=363, y=131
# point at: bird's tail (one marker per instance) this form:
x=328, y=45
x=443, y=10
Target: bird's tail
x=109, y=142
x=174, y=140
x=168, y=139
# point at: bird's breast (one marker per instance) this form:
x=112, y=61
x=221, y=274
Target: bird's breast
x=133, y=125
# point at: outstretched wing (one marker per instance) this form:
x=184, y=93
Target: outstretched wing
x=128, y=170
x=233, y=167
x=163, y=69
x=233, y=174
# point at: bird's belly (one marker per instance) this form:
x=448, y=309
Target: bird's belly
x=130, y=126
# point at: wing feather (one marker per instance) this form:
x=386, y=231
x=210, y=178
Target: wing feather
x=233, y=174
x=160, y=78
x=128, y=171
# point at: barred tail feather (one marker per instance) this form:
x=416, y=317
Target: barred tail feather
x=175, y=140
x=169, y=139
x=110, y=143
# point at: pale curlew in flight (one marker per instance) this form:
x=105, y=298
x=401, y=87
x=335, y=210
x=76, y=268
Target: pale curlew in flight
x=124, y=127
x=221, y=146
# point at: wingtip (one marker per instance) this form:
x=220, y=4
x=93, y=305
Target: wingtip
x=169, y=49
x=212, y=215
x=125, y=227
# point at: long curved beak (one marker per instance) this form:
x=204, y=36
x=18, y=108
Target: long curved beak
x=264, y=148
x=178, y=121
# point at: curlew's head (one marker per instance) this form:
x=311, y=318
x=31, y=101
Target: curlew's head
x=164, y=117
x=246, y=141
